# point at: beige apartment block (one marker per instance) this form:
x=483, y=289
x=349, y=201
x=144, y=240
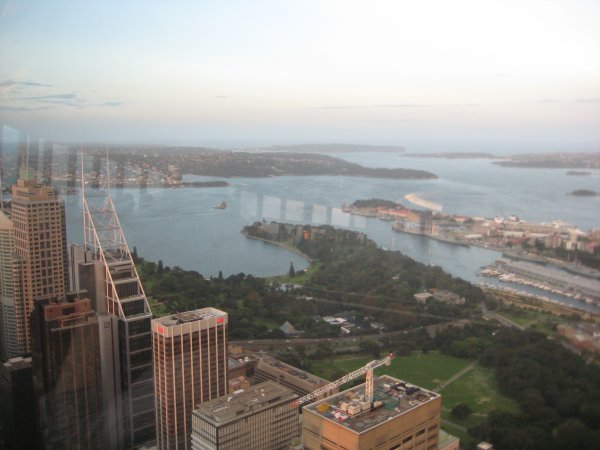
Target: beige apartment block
x=402, y=416
x=40, y=241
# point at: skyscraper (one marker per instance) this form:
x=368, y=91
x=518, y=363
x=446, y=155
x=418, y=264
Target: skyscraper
x=12, y=315
x=40, y=241
x=107, y=269
x=67, y=374
x=17, y=408
x=190, y=367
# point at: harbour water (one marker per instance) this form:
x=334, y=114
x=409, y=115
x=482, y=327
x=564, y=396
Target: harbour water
x=181, y=227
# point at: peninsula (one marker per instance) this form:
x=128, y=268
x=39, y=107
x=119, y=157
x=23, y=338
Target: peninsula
x=453, y=155
x=329, y=148
x=159, y=167
x=554, y=161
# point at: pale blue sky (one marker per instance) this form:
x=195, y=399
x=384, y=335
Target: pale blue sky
x=419, y=73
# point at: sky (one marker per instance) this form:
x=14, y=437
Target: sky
x=427, y=74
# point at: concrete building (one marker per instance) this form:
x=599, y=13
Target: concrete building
x=66, y=373
x=402, y=416
x=40, y=240
x=263, y=417
x=17, y=408
x=190, y=367
x=12, y=314
x=297, y=380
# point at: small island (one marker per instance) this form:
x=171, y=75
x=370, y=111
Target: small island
x=579, y=173
x=583, y=193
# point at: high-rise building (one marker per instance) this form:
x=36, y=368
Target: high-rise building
x=12, y=314
x=104, y=267
x=401, y=416
x=17, y=408
x=40, y=241
x=263, y=417
x=67, y=374
x=190, y=367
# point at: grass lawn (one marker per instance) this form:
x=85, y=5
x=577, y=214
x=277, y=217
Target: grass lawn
x=539, y=320
x=477, y=388
x=427, y=370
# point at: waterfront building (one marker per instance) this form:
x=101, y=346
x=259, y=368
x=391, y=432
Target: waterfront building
x=401, y=416
x=12, y=316
x=104, y=267
x=17, y=408
x=263, y=417
x=190, y=367
x=40, y=241
x=67, y=374
x=299, y=381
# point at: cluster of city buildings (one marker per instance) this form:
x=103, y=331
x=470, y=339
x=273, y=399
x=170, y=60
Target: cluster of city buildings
x=58, y=165
x=85, y=365
x=582, y=337
x=497, y=232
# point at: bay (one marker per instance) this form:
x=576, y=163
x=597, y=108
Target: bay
x=182, y=228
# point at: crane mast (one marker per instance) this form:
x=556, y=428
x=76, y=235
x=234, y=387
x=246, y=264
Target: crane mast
x=367, y=368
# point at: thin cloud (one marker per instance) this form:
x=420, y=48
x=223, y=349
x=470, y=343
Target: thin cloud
x=24, y=108
x=52, y=97
x=113, y=104
x=67, y=99
x=588, y=100
x=10, y=83
x=393, y=106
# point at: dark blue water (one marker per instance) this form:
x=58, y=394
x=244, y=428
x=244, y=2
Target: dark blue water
x=181, y=227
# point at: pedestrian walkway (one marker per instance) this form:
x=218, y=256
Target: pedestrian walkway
x=456, y=376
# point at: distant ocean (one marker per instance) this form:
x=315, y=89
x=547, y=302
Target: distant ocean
x=181, y=227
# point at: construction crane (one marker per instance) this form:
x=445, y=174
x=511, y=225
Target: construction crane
x=368, y=369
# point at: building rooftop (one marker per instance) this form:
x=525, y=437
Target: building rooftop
x=392, y=398
x=293, y=371
x=16, y=363
x=232, y=407
x=190, y=316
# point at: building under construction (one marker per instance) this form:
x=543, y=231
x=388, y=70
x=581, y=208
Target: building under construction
x=401, y=415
